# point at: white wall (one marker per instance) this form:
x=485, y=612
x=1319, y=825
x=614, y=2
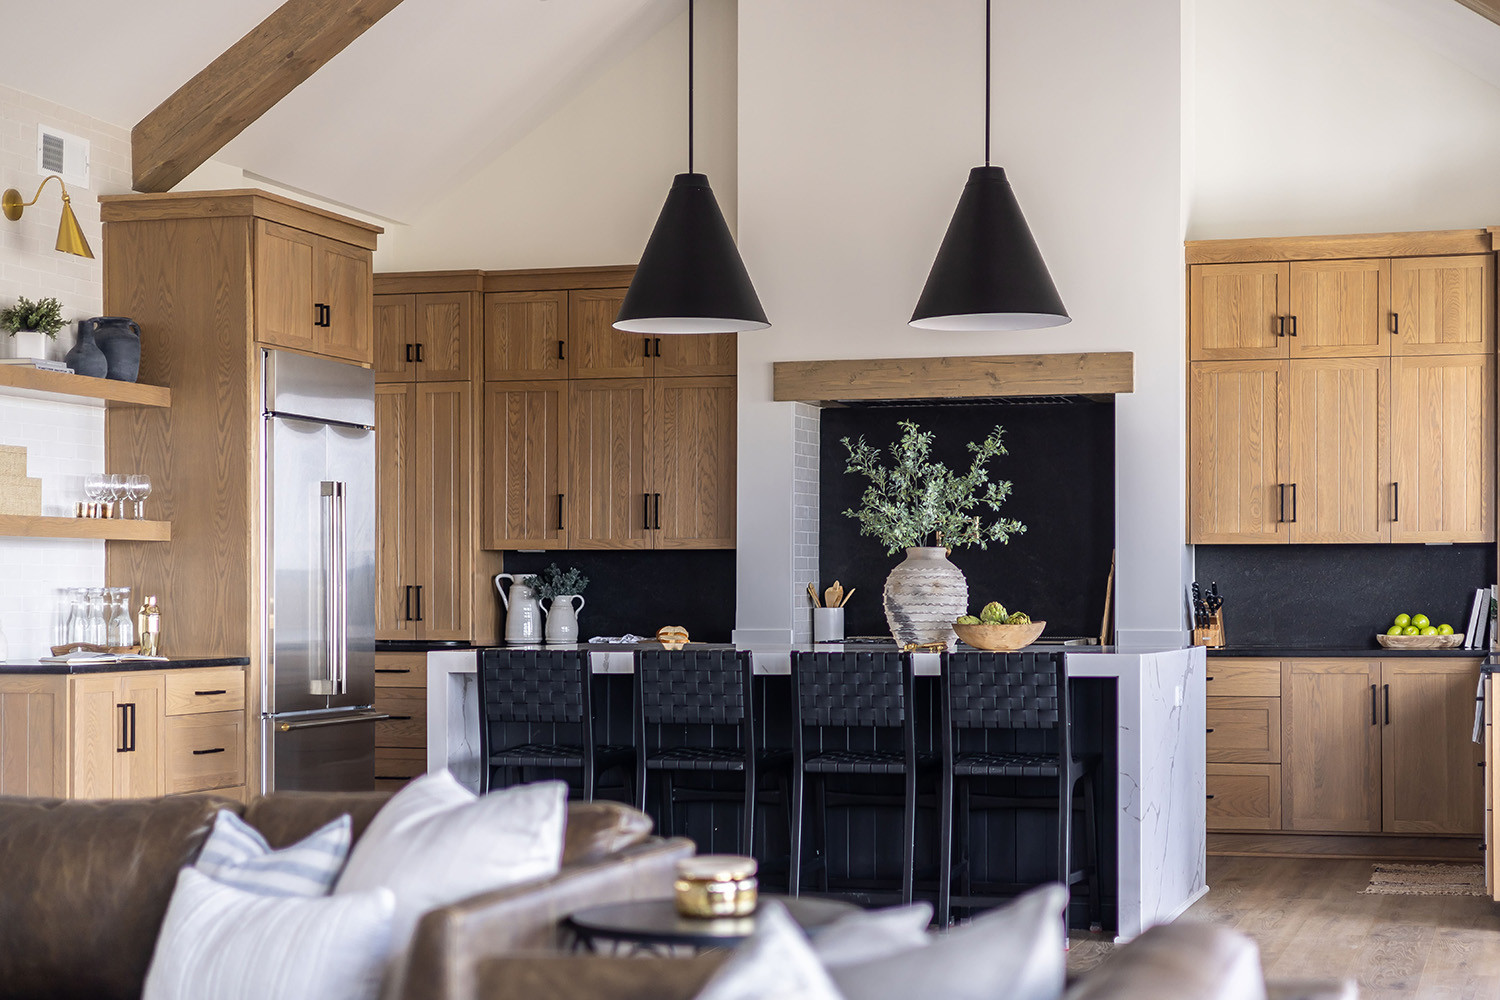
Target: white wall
x=1344, y=116
x=585, y=187
x=858, y=124
x=64, y=441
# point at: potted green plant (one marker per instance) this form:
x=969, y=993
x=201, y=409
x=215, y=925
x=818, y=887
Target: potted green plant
x=556, y=590
x=920, y=505
x=31, y=325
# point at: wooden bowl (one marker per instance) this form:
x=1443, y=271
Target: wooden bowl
x=1419, y=641
x=999, y=638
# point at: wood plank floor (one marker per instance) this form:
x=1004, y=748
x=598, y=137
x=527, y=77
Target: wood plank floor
x=1312, y=921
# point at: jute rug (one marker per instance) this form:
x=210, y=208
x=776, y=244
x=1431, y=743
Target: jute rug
x=1426, y=880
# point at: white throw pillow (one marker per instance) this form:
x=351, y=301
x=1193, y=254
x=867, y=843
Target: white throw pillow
x=229, y=944
x=1014, y=952
x=774, y=963
x=871, y=934
x=435, y=842
x=236, y=854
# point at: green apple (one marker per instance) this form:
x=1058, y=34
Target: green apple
x=1445, y=630
x=1394, y=630
x=1430, y=630
x=1411, y=630
x=1402, y=620
x=1420, y=621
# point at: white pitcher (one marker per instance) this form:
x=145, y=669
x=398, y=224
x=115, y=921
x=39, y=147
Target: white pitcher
x=562, y=619
x=523, y=614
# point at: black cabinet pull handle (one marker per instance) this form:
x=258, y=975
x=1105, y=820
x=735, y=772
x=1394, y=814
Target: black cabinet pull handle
x=1208, y=730
x=393, y=670
x=399, y=718
x=1396, y=324
x=560, y=508
x=408, y=604
x=1395, y=501
x=200, y=753
x=419, y=354
x=658, y=347
x=1294, y=502
x=646, y=347
x=124, y=746
x=1281, y=326
x=1209, y=678
x=409, y=358
x=658, y=511
x=1293, y=332
x=321, y=315
x=1208, y=796
x=1281, y=503
x=419, y=602
x=646, y=509
x=1387, y=704
x=1374, y=716
x=205, y=694
x=560, y=356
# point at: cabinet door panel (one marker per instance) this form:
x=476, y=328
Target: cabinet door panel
x=1443, y=448
x=1237, y=311
x=694, y=424
x=395, y=337
x=1432, y=779
x=444, y=543
x=141, y=772
x=598, y=350
x=1330, y=746
x=395, y=510
x=1236, y=439
x=609, y=469
x=526, y=465
x=284, y=287
x=1244, y=797
x=695, y=354
x=1443, y=305
x=1244, y=730
x=444, y=321
x=344, y=281
x=525, y=335
x=98, y=730
x=1339, y=450
x=1340, y=308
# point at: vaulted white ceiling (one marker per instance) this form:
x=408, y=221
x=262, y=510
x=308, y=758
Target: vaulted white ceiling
x=433, y=90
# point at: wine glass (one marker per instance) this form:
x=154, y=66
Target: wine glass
x=114, y=491
x=93, y=488
x=138, y=488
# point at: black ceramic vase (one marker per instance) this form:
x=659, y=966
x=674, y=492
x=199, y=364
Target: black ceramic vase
x=120, y=339
x=85, y=358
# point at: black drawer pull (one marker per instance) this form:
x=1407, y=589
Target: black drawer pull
x=205, y=694
x=1208, y=796
x=1208, y=730
x=392, y=777
x=1208, y=678
x=393, y=670
x=400, y=718
x=200, y=753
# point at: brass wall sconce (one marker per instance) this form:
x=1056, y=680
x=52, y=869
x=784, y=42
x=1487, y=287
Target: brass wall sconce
x=69, y=234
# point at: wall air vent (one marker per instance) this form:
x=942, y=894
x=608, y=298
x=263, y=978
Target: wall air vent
x=58, y=152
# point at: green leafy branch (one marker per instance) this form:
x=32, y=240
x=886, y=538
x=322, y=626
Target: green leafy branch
x=43, y=317
x=557, y=582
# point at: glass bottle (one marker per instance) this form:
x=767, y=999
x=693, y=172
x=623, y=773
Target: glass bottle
x=121, y=623
x=148, y=627
x=77, y=628
x=98, y=627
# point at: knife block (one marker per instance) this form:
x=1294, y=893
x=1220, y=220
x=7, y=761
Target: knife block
x=1212, y=635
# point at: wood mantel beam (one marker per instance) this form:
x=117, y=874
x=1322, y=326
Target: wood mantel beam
x=954, y=378
x=243, y=84
x=1485, y=8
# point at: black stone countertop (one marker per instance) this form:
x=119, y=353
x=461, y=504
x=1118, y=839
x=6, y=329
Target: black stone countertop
x=415, y=645
x=1368, y=652
x=121, y=666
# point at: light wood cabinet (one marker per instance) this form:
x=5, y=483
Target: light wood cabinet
x=313, y=294
x=598, y=350
x=1443, y=448
x=203, y=751
x=423, y=338
x=401, y=741
x=694, y=462
x=1244, y=730
x=1432, y=778
x=526, y=335
x=610, y=503
x=395, y=507
x=1443, y=305
x=1339, y=309
x=395, y=335
x=526, y=465
x=117, y=735
x=1331, y=745
x=1338, y=450
x=1244, y=797
x=1243, y=678
x=1491, y=789
x=695, y=354
x=1237, y=312
x=1237, y=425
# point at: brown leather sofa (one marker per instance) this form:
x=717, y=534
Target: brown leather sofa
x=84, y=886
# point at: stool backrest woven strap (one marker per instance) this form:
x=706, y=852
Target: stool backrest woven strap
x=851, y=689
x=533, y=686
x=1024, y=690
x=692, y=686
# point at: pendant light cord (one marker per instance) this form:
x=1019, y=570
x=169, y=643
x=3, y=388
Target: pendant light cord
x=987, y=5
x=690, y=86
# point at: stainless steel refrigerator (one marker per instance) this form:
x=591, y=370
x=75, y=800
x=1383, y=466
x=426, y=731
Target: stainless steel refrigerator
x=318, y=571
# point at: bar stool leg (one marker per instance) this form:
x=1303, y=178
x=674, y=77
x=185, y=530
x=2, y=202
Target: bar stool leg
x=664, y=789
x=820, y=829
x=909, y=837
x=794, y=816
x=589, y=779
x=747, y=822
x=1091, y=845
x=945, y=851
x=966, y=871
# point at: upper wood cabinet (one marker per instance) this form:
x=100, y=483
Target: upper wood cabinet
x=1238, y=311
x=694, y=421
x=1338, y=450
x=598, y=349
x=1339, y=309
x=1443, y=305
x=526, y=465
x=611, y=503
x=313, y=294
x=423, y=338
x=695, y=354
x=1237, y=420
x=395, y=503
x=1443, y=448
x=526, y=335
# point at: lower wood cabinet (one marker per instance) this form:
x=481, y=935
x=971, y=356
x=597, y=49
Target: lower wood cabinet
x=1491, y=787
x=1331, y=778
x=1244, y=797
x=401, y=741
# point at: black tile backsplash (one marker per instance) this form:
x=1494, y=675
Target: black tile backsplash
x=642, y=591
x=1340, y=595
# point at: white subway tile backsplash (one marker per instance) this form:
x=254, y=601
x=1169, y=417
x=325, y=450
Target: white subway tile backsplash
x=806, y=423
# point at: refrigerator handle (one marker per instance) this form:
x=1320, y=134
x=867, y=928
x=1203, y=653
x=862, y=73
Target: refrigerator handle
x=336, y=604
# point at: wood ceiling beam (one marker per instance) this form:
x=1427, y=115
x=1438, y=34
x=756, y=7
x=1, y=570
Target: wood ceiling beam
x=1484, y=8
x=243, y=84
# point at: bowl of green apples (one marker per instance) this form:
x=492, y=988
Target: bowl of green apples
x=1418, y=632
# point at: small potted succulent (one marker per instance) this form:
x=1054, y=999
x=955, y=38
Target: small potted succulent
x=31, y=325
x=556, y=590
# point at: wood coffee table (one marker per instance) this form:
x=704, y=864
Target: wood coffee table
x=655, y=924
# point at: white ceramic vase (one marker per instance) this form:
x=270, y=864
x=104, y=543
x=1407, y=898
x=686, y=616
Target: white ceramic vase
x=923, y=595
x=28, y=344
x=523, y=614
x=562, y=617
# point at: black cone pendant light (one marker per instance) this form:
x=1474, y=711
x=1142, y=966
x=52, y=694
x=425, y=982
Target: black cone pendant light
x=690, y=278
x=989, y=274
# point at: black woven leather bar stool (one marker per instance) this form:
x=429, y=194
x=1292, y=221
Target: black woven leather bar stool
x=695, y=713
x=853, y=717
x=983, y=693
x=536, y=713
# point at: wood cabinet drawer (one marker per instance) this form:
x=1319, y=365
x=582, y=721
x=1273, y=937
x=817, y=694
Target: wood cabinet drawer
x=1244, y=730
x=1244, y=797
x=1245, y=678
x=218, y=689
x=402, y=670
x=205, y=751
x=395, y=766
x=407, y=726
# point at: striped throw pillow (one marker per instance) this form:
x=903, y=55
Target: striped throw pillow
x=235, y=854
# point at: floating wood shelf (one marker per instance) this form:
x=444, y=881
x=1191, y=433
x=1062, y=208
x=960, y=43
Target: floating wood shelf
x=24, y=526
x=33, y=383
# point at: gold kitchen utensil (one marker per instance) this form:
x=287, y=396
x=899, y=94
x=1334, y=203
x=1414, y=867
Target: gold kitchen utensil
x=812, y=592
x=844, y=598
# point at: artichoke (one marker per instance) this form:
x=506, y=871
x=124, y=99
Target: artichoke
x=1019, y=618
x=993, y=613
x=967, y=620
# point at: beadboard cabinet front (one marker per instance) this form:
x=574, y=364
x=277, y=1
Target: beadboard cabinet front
x=526, y=465
x=1236, y=445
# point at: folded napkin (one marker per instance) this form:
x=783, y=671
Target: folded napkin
x=617, y=640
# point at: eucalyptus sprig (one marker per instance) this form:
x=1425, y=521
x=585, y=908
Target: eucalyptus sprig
x=919, y=501
x=557, y=582
x=43, y=317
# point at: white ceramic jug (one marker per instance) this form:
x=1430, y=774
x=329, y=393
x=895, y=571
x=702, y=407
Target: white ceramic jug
x=562, y=619
x=523, y=613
